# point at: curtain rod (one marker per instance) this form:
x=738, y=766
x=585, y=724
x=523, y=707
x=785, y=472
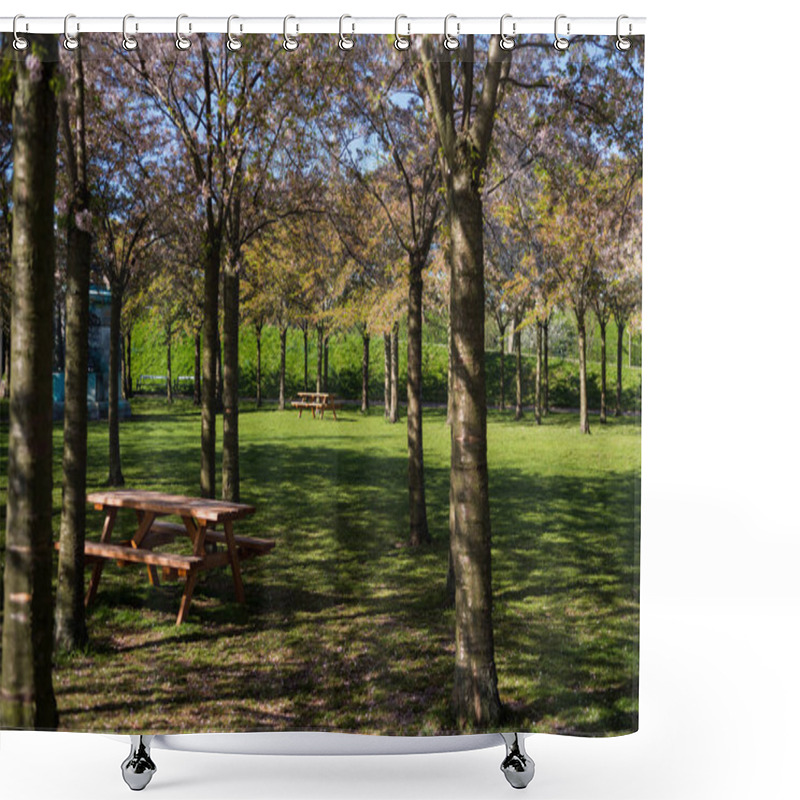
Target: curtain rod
x=189, y=24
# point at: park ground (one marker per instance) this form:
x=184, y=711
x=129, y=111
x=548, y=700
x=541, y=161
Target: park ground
x=345, y=627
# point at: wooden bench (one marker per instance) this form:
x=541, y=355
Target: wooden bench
x=126, y=554
x=166, y=532
x=316, y=401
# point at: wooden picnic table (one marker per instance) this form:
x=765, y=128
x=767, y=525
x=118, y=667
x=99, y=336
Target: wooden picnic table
x=316, y=401
x=198, y=518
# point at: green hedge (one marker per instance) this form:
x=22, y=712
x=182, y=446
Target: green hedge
x=344, y=368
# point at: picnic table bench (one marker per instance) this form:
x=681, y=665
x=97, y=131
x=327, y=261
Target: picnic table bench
x=143, y=380
x=316, y=401
x=210, y=548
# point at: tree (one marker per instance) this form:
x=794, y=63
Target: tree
x=398, y=164
x=447, y=80
x=27, y=699
x=70, y=621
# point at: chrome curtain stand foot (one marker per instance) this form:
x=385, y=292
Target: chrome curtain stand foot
x=517, y=766
x=138, y=768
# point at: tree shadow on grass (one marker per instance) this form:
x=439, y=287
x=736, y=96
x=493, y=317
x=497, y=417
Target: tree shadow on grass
x=344, y=629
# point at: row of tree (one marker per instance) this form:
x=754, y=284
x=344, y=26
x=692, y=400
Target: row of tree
x=325, y=190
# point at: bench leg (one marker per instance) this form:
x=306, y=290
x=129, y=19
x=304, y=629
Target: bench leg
x=186, y=600
x=234, y=554
x=94, y=582
x=105, y=537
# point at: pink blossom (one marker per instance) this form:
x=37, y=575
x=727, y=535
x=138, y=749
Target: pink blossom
x=34, y=66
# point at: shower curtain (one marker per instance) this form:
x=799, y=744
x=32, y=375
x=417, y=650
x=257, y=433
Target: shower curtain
x=341, y=339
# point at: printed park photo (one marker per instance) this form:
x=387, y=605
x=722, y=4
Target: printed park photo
x=320, y=385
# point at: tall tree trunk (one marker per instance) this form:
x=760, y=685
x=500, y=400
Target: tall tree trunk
x=602, y=325
x=518, y=413
x=169, y=368
x=129, y=370
x=546, y=384
x=208, y=392
x=115, y=477
x=305, y=359
x=475, y=694
x=282, y=376
x=258, y=329
x=230, y=380
x=449, y=372
x=394, y=411
x=320, y=336
x=537, y=387
x=196, y=382
x=124, y=363
x=365, y=373
x=387, y=375
x=27, y=699
x=620, y=334
x=502, y=337
x=584, y=415
x=219, y=384
x=70, y=617
x=325, y=363
x=418, y=514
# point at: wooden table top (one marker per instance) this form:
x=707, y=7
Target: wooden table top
x=315, y=394
x=197, y=507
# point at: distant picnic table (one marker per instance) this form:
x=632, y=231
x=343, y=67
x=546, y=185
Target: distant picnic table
x=316, y=401
x=198, y=517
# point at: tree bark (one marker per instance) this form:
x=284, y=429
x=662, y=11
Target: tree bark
x=27, y=699
x=620, y=334
x=305, y=359
x=518, y=413
x=208, y=391
x=418, y=514
x=387, y=375
x=325, y=363
x=70, y=617
x=546, y=384
x=584, y=411
x=196, y=382
x=476, y=700
x=129, y=374
x=282, y=376
x=169, y=368
x=537, y=388
x=365, y=373
x=475, y=694
x=502, y=337
x=602, y=325
x=258, y=329
x=394, y=410
x=230, y=380
x=320, y=348
x=115, y=477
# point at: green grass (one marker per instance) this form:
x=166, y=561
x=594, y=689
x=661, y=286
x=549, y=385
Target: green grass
x=344, y=626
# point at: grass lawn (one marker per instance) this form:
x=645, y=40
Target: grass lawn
x=344, y=626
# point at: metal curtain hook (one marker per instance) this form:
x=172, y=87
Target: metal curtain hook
x=289, y=42
x=623, y=43
x=20, y=42
x=181, y=42
x=128, y=42
x=345, y=40
x=70, y=42
x=451, y=42
x=560, y=42
x=233, y=44
x=401, y=42
x=507, y=42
